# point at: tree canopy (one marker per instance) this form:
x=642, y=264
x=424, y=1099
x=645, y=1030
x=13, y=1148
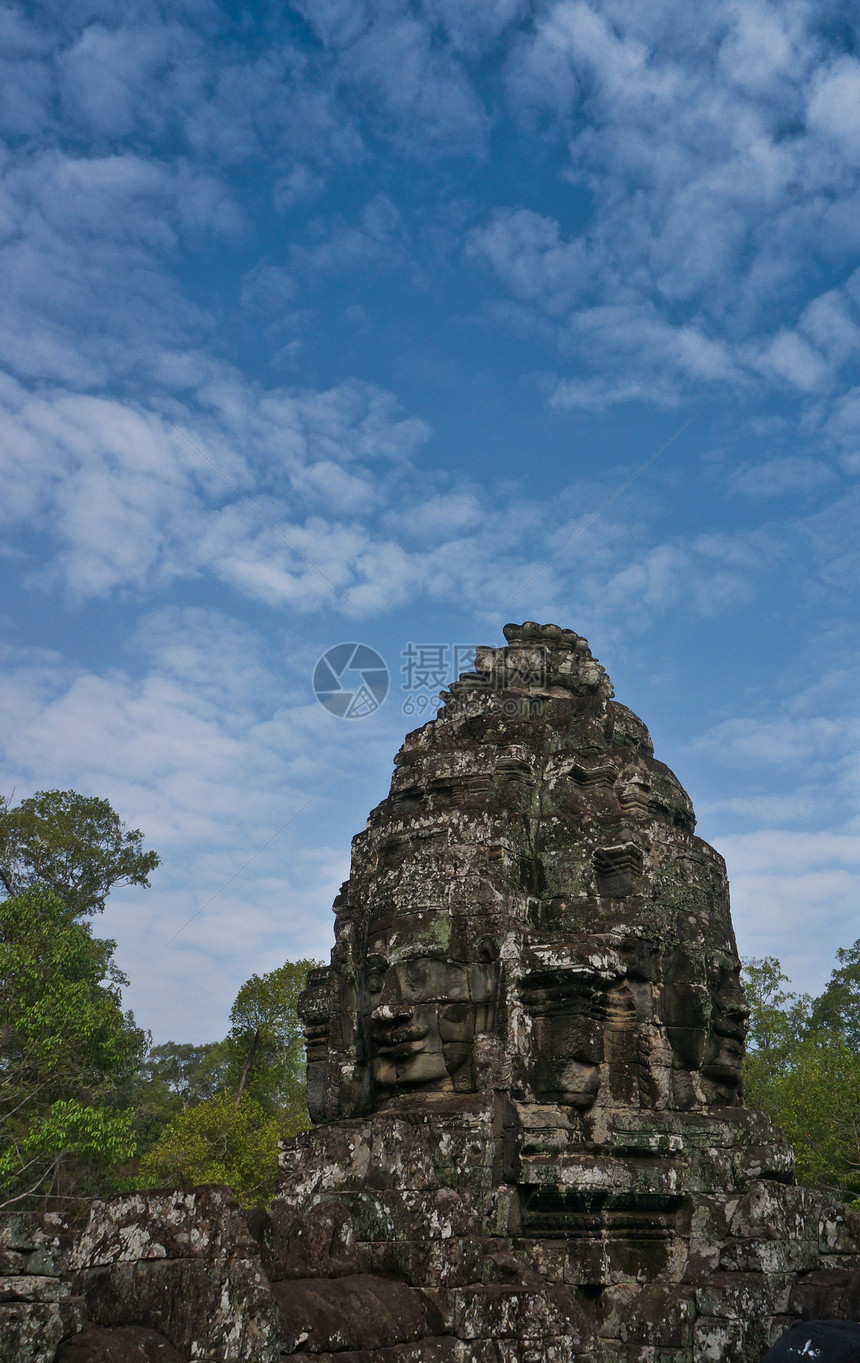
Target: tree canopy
x=217, y=1142
x=803, y=1068
x=172, y=1078
x=266, y=1037
x=75, y=844
x=85, y=1106
x=66, y=1047
x=231, y=1136
x=837, y=1011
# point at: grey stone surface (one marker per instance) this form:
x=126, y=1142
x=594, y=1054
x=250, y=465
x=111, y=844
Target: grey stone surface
x=525, y=1076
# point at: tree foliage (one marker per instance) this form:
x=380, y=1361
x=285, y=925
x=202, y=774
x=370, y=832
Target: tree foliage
x=66, y=1047
x=172, y=1078
x=218, y=1142
x=80, y=1095
x=267, y=1042
x=837, y=1011
x=75, y=844
x=803, y=1068
x=232, y=1136
x=778, y=1019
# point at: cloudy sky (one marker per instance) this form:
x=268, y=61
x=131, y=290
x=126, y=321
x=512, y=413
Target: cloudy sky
x=339, y=321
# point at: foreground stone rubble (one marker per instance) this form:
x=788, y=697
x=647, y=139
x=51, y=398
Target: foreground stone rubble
x=525, y=1077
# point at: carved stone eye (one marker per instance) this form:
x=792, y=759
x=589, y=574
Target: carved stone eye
x=416, y=973
x=375, y=977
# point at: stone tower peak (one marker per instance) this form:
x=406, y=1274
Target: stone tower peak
x=538, y=660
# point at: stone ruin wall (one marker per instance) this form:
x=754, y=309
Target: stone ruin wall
x=525, y=1077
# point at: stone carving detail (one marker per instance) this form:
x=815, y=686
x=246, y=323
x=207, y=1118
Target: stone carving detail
x=525, y=1073
x=525, y=902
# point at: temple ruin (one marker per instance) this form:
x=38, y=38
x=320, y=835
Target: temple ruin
x=525, y=1077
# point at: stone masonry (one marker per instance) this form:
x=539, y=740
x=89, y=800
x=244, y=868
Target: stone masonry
x=525, y=1076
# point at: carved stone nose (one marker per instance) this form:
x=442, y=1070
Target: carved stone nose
x=391, y=1012
x=391, y=1006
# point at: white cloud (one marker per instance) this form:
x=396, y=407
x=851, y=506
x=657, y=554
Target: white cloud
x=83, y=263
x=785, y=475
x=127, y=500
x=210, y=747
x=442, y=515
x=784, y=741
x=526, y=252
x=763, y=46
x=107, y=76
x=376, y=243
x=708, y=196
x=792, y=358
x=834, y=108
x=790, y=838
x=805, y=804
x=297, y=186
x=783, y=882
x=758, y=852
x=474, y=28
x=418, y=83
x=103, y=495
x=843, y=426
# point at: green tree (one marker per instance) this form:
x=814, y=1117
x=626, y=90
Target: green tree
x=232, y=1137
x=173, y=1077
x=75, y=844
x=190, y=1074
x=816, y=1102
x=267, y=1043
x=778, y=1020
x=837, y=1010
x=66, y=1047
x=218, y=1142
x=802, y=1069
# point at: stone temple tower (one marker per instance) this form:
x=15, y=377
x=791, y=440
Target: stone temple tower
x=525, y=1061
x=525, y=1076
x=530, y=913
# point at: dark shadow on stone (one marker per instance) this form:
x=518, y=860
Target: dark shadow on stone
x=124, y=1344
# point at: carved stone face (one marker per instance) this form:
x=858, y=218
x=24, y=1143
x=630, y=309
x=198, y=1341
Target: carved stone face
x=724, y=1050
x=557, y=833
x=568, y=1009
x=421, y=1014
x=600, y=1018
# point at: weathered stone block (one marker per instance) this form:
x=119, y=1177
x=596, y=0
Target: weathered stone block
x=356, y=1313
x=35, y=1243
x=427, y=1351
x=30, y=1331
x=185, y=1223
x=839, y=1229
x=737, y=1296
x=316, y=1242
x=719, y=1341
x=496, y=1311
x=224, y=1307
x=826, y=1294
x=123, y=1344
x=772, y=1211
x=662, y=1317
x=769, y=1256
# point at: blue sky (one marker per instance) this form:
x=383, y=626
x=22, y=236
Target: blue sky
x=336, y=321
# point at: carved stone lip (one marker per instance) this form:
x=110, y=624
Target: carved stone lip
x=400, y=1041
x=723, y=1071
